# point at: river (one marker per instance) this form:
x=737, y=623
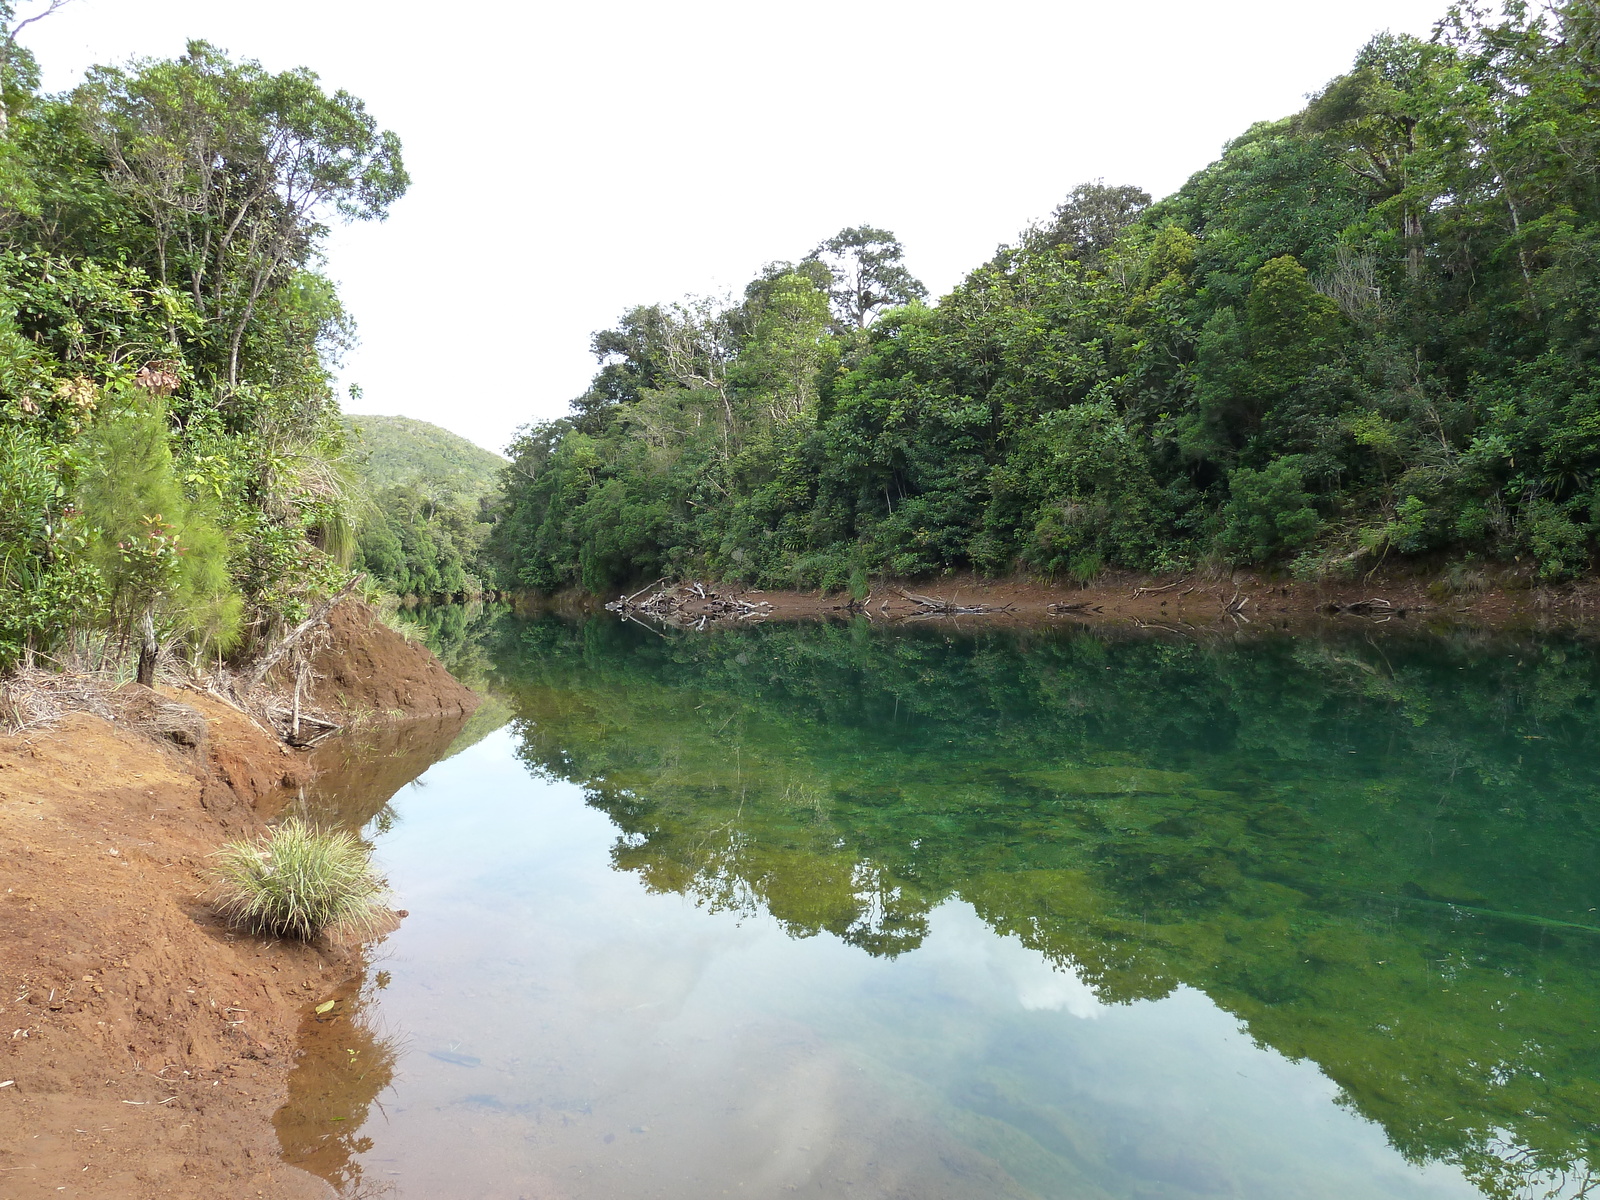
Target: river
x=924, y=911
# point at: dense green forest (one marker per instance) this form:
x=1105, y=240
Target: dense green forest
x=428, y=507
x=391, y=451
x=170, y=450
x=1366, y=333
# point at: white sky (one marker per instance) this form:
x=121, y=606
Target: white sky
x=572, y=160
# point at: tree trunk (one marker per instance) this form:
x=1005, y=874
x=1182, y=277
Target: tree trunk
x=148, y=647
x=1413, y=235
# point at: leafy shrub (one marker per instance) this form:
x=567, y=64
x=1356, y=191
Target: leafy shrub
x=1270, y=512
x=1097, y=502
x=45, y=584
x=300, y=882
x=1559, y=543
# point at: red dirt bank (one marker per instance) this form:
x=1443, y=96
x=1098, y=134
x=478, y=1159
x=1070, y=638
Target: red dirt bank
x=143, y=1046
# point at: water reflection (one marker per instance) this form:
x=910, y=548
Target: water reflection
x=343, y=1064
x=343, y=1067
x=1379, y=854
x=984, y=915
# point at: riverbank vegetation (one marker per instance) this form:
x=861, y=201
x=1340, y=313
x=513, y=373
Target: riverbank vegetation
x=170, y=475
x=299, y=881
x=1365, y=334
x=423, y=528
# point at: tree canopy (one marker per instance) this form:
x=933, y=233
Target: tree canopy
x=1366, y=333
x=169, y=436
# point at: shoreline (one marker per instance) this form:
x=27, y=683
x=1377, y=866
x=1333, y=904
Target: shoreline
x=1240, y=600
x=147, y=1046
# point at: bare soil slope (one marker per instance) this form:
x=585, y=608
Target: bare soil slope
x=368, y=667
x=144, y=1047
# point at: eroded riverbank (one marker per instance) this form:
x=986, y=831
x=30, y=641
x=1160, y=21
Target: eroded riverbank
x=145, y=1046
x=1508, y=600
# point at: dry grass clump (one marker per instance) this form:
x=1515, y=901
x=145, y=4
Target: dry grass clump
x=300, y=882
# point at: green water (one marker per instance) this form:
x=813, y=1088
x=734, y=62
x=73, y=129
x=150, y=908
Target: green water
x=845, y=910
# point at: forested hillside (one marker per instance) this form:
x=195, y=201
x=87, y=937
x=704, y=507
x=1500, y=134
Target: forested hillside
x=169, y=436
x=1366, y=333
x=426, y=511
x=387, y=452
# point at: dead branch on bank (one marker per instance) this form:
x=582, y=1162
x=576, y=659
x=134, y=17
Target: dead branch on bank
x=1153, y=591
x=318, y=616
x=938, y=606
x=84, y=681
x=1377, y=606
x=686, y=605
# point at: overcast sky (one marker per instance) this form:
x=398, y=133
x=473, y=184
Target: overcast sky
x=572, y=160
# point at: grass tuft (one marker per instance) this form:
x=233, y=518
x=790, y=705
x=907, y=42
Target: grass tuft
x=300, y=882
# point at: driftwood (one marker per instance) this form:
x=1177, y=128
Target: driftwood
x=1152, y=591
x=938, y=606
x=640, y=592
x=1377, y=606
x=1076, y=606
x=685, y=605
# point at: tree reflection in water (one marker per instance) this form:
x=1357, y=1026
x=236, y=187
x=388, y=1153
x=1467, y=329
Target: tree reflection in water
x=1378, y=853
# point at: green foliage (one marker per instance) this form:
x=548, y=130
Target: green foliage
x=429, y=498
x=299, y=882
x=1269, y=513
x=168, y=432
x=386, y=452
x=1094, y=496
x=416, y=542
x=188, y=144
x=158, y=552
x=46, y=587
x=1367, y=331
x=867, y=273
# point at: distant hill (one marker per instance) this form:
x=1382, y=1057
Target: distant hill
x=393, y=450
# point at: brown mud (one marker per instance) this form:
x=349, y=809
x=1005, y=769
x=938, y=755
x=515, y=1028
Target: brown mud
x=366, y=667
x=144, y=1046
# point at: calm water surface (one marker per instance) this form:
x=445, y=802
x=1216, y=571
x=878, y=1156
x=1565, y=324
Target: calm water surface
x=924, y=913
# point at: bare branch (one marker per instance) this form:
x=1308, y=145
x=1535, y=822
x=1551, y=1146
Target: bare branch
x=54, y=6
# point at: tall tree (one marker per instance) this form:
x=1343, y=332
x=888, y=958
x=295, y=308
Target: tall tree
x=1374, y=118
x=1092, y=216
x=237, y=171
x=632, y=360
x=869, y=274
